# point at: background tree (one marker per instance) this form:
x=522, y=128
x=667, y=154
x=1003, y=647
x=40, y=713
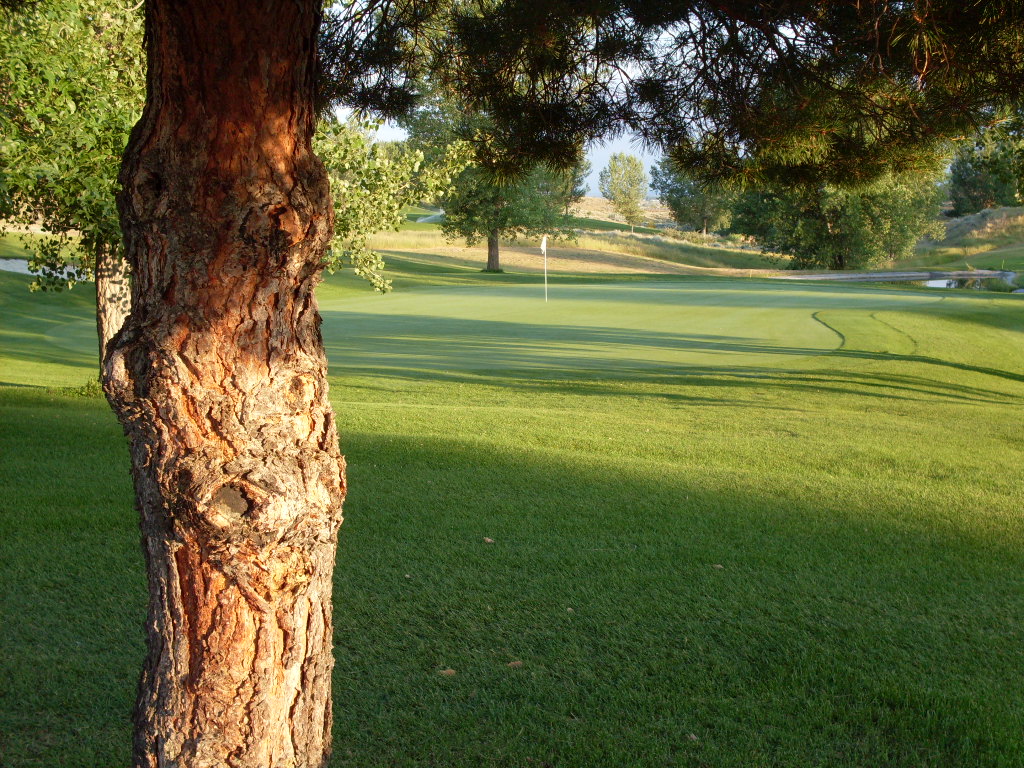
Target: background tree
x=833, y=227
x=983, y=173
x=696, y=206
x=71, y=87
x=574, y=185
x=478, y=207
x=624, y=182
x=480, y=204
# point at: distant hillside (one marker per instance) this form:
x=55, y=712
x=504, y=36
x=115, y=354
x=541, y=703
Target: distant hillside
x=600, y=208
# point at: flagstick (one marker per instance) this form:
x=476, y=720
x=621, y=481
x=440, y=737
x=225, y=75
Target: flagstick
x=545, y=277
x=544, y=250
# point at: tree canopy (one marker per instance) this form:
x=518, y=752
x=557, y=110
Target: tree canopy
x=479, y=204
x=624, y=182
x=371, y=184
x=841, y=227
x=986, y=172
x=72, y=83
x=777, y=91
x=701, y=207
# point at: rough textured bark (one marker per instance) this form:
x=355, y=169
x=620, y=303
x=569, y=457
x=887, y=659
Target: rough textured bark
x=219, y=378
x=493, y=244
x=113, y=294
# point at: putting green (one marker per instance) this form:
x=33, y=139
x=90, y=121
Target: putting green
x=605, y=329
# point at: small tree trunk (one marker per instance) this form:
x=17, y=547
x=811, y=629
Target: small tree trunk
x=493, y=243
x=113, y=294
x=219, y=378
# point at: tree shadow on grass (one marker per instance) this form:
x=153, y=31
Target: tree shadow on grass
x=73, y=594
x=837, y=631
x=647, y=606
x=531, y=355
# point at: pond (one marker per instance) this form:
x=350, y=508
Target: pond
x=976, y=284
x=15, y=265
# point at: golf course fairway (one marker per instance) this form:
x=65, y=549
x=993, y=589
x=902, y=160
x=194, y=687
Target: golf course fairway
x=651, y=522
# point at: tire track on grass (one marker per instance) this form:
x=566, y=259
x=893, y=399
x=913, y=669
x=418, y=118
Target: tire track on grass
x=914, y=347
x=842, y=339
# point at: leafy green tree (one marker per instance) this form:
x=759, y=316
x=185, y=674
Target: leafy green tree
x=624, y=182
x=982, y=174
x=480, y=208
x=372, y=183
x=834, y=227
x=479, y=205
x=696, y=206
x=72, y=82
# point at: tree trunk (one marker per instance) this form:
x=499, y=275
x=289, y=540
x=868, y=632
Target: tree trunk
x=493, y=243
x=219, y=379
x=113, y=294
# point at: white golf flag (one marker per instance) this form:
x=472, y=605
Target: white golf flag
x=544, y=245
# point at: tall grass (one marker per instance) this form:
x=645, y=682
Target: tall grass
x=672, y=250
x=990, y=239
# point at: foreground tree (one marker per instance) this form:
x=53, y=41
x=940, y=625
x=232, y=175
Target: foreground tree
x=219, y=378
x=624, y=182
x=834, y=227
x=71, y=87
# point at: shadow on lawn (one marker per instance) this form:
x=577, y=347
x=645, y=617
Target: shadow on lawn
x=537, y=356
x=835, y=632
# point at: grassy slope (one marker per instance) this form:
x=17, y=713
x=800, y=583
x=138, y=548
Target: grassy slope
x=849, y=456
x=991, y=239
x=594, y=234
x=417, y=240
x=11, y=247
x=603, y=225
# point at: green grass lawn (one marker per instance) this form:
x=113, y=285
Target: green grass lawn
x=735, y=524
x=427, y=244
x=1009, y=257
x=669, y=249
x=12, y=247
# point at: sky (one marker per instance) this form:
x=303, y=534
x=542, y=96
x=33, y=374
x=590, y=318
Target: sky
x=598, y=154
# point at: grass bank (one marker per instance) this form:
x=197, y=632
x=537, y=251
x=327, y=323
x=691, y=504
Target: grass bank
x=990, y=239
x=733, y=523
